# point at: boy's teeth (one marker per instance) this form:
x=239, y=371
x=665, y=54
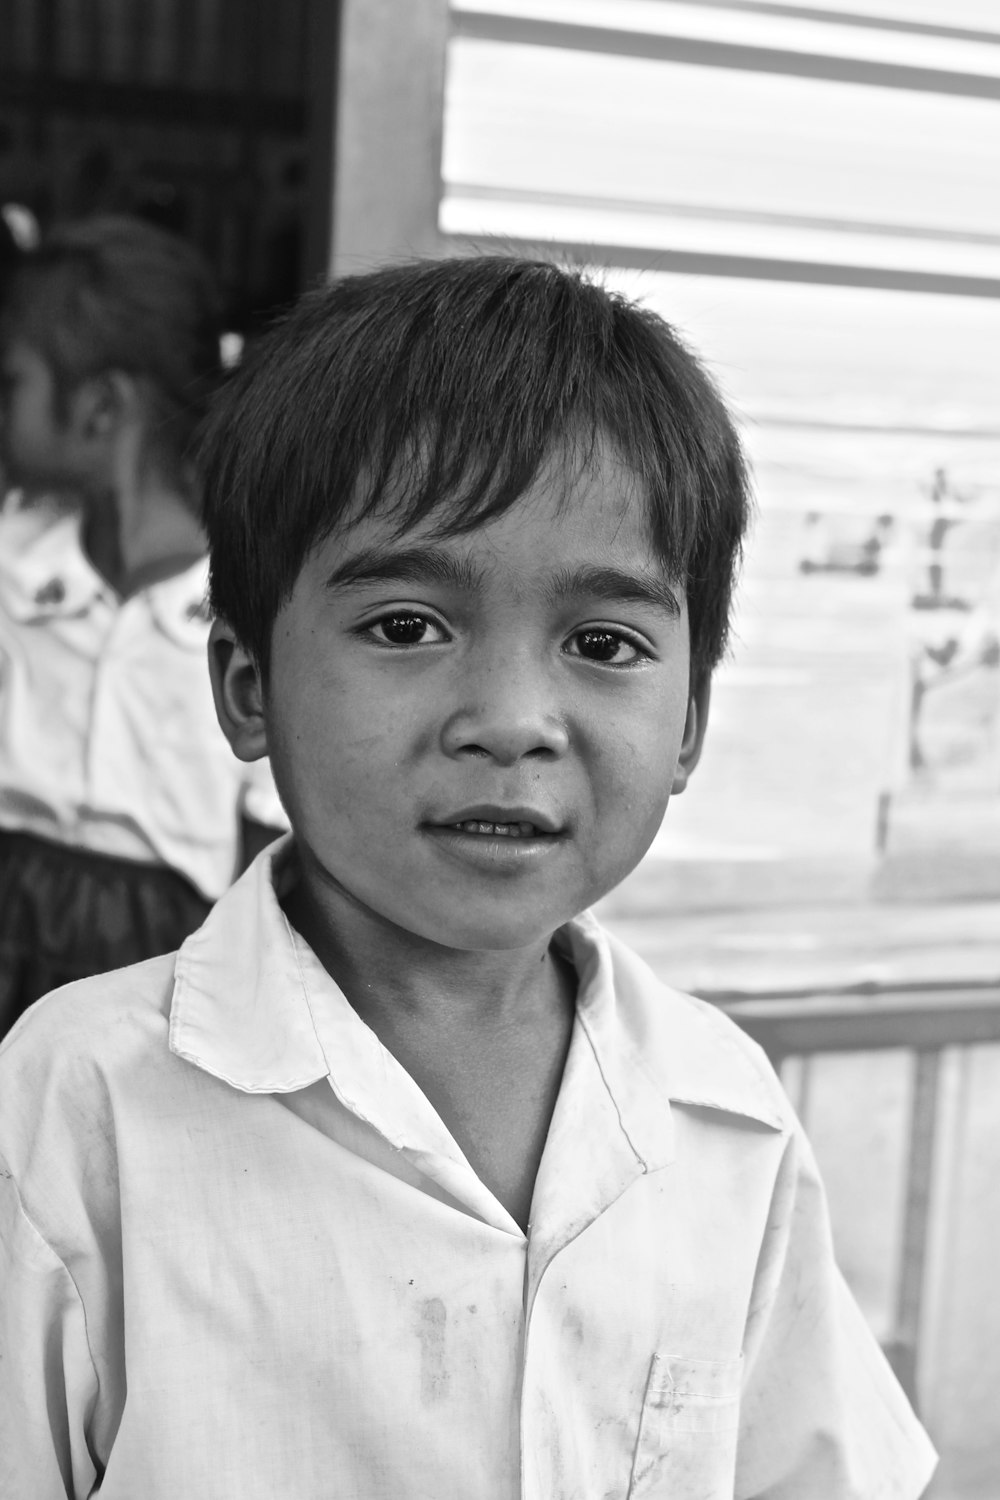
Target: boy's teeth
x=503, y=830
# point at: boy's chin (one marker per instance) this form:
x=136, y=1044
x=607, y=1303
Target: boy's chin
x=485, y=932
x=495, y=937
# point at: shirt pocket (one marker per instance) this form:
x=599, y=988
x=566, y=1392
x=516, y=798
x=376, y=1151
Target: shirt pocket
x=688, y=1429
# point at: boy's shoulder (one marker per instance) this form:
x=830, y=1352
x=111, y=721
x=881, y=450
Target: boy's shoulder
x=688, y=1047
x=77, y=1071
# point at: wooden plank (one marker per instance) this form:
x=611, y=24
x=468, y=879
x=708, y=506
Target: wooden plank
x=746, y=267
x=919, y=1019
x=916, y=1217
x=614, y=42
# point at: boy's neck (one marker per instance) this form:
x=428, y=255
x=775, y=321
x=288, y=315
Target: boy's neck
x=400, y=978
x=485, y=1036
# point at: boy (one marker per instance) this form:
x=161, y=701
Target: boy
x=121, y=808
x=404, y=1179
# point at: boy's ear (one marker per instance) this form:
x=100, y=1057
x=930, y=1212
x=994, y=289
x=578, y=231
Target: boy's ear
x=694, y=732
x=238, y=693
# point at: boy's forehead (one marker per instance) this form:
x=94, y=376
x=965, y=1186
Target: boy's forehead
x=566, y=534
x=588, y=494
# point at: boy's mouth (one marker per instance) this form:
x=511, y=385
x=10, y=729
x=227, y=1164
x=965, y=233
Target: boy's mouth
x=493, y=822
x=499, y=830
x=494, y=839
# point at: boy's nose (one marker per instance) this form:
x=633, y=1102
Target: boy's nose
x=508, y=715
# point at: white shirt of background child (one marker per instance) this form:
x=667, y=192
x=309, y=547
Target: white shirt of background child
x=108, y=735
x=244, y=1256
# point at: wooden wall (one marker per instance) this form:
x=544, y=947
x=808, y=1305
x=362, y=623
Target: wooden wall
x=193, y=113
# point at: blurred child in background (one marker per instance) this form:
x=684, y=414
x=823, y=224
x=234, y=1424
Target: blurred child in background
x=123, y=814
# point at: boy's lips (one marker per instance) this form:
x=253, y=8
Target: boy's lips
x=495, y=821
x=498, y=841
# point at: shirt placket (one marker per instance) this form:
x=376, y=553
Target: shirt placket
x=590, y=1162
x=103, y=761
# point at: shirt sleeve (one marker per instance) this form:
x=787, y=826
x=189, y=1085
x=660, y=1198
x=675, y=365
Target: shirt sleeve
x=261, y=803
x=48, y=1383
x=823, y=1417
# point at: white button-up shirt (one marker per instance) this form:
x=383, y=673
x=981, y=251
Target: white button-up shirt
x=108, y=734
x=243, y=1257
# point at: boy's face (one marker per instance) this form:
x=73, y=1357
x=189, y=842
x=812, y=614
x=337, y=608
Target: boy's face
x=476, y=738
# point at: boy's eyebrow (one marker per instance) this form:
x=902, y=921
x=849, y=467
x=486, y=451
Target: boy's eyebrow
x=404, y=565
x=616, y=586
x=433, y=565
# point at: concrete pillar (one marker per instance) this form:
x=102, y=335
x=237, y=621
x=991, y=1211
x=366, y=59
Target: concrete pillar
x=387, y=145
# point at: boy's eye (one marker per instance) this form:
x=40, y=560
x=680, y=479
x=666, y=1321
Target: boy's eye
x=606, y=646
x=405, y=628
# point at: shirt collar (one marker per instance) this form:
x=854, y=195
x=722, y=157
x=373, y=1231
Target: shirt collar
x=654, y=1043
x=44, y=571
x=250, y=1001
x=45, y=574
x=179, y=605
x=239, y=1008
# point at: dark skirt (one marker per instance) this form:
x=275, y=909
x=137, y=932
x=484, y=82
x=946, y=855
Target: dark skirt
x=66, y=913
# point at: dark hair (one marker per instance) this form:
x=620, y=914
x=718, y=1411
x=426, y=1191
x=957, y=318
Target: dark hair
x=116, y=293
x=10, y=254
x=443, y=386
